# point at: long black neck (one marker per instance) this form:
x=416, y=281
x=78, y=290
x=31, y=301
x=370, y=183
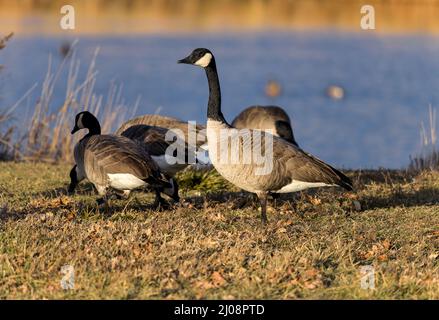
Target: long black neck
x=94, y=129
x=214, y=104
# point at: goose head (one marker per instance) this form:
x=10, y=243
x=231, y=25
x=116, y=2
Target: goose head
x=86, y=120
x=199, y=57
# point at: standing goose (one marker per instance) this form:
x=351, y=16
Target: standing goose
x=272, y=118
x=110, y=161
x=292, y=169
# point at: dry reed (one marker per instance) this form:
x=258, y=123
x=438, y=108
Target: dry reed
x=6, y=135
x=47, y=136
x=428, y=158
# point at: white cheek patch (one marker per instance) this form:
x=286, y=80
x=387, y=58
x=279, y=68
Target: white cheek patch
x=204, y=61
x=80, y=124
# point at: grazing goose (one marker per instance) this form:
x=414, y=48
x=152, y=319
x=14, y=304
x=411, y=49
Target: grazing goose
x=155, y=120
x=152, y=130
x=266, y=118
x=171, y=156
x=289, y=168
x=110, y=161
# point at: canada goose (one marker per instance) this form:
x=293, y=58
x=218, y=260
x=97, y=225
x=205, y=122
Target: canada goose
x=152, y=130
x=155, y=120
x=266, y=118
x=110, y=161
x=154, y=141
x=291, y=168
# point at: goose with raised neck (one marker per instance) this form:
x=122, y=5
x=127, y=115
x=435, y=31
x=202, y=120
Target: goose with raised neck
x=292, y=169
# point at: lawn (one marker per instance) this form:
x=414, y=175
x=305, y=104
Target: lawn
x=213, y=245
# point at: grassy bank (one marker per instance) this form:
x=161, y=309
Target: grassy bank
x=213, y=245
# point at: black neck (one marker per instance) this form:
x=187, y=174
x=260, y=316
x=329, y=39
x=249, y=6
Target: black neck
x=94, y=130
x=214, y=105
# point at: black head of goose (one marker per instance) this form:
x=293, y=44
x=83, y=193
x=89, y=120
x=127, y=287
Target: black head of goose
x=115, y=162
x=272, y=118
x=284, y=168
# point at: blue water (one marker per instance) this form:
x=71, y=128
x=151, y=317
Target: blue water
x=389, y=83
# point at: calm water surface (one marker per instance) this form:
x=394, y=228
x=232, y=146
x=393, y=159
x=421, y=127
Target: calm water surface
x=389, y=83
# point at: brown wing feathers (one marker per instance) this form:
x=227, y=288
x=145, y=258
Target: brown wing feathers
x=305, y=167
x=112, y=154
x=163, y=122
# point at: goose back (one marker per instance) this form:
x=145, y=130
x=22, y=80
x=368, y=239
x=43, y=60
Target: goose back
x=153, y=140
x=154, y=120
x=272, y=118
x=99, y=155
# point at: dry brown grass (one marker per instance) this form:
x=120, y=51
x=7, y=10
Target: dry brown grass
x=214, y=246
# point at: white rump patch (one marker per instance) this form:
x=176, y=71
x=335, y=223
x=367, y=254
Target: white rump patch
x=204, y=61
x=300, y=185
x=125, y=181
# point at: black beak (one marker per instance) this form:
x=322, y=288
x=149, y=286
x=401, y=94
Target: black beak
x=185, y=61
x=75, y=129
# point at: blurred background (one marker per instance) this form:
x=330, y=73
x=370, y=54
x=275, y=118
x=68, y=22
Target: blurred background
x=357, y=98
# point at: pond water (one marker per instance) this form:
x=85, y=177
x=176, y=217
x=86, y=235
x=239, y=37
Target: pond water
x=389, y=81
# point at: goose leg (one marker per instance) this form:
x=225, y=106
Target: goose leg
x=73, y=180
x=263, y=199
x=275, y=196
x=159, y=202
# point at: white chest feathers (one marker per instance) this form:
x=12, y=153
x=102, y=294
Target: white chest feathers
x=124, y=181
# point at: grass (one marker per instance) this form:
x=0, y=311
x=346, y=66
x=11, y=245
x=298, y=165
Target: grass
x=213, y=245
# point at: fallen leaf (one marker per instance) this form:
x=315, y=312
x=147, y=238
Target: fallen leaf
x=217, y=279
x=314, y=200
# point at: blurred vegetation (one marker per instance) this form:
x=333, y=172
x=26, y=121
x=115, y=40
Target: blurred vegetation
x=6, y=131
x=428, y=157
x=46, y=135
x=143, y=16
